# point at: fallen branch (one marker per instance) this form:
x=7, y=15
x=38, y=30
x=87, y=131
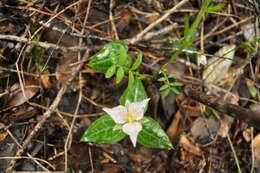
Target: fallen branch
x=217, y=103
x=40, y=43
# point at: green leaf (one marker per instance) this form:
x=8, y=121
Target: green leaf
x=134, y=93
x=109, y=55
x=256, y=40
x=102, y=130
x=175, y=90
x=175, y=43
x=186, y=26
x=209, y=113
x=130, y=79
x=128, y=61
x=215, y=8
x=164, y=87
x=176, y=84
x=191, y=48
x=101, y=61
x=111, y=71
x=173, y=76
x=119, y=74
x=249, y=45
x=152, y=135
x=253, y=91
x=165, y=93
x=122, y=55
x=137, y=62
x=161, y=79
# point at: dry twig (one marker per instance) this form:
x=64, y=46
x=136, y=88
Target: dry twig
x=238, y=112
x=139, y=36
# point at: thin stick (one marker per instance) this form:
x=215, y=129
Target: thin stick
x=91, y=159
x=252, y=150
x=229, y=27
x=41, y=44
x=234, y=154
x=152, y=25
x=114, y=31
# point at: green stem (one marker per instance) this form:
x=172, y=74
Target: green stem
x=187, y=41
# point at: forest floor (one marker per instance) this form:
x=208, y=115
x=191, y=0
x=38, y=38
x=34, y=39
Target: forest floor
x=205, y=97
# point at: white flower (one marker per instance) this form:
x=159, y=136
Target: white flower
x=128, y=116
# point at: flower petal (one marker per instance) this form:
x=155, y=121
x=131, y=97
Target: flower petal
x=117, y=113
x=132, y=129
x=137, y=108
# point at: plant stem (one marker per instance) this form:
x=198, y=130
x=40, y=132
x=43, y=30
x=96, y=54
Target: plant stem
x=187, y=41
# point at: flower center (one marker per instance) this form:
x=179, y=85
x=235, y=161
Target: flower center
x=129, y=117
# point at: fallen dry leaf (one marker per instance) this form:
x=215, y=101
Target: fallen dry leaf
x=255, y=107
x=256, y=151
x=219, y=65
x=18, y=97
x=191, y=108
x=249, y=31
x=174, y=128
x=58, y=38
x=124, y=21
x=23, y=114
x=3, y=134
x=204, y=129
x=69, y=66
x=178, y=68
x=225, y=125
x=189, y=146
x=247, y=134
x=45, y=80
x=142, y=155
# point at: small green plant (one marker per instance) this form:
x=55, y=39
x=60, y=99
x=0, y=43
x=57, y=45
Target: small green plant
x=190, y=34
x=251, y=44
x=190, y=31
x=128, y=118
x=253, y=91
x=169, y=86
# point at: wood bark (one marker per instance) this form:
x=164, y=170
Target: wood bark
x=246, y=115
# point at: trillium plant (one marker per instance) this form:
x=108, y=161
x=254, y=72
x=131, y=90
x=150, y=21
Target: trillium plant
x=126, y=119
x=129, y=118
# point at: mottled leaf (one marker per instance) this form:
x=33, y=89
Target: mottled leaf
x=111, y=53
x=134, y=93
x=152, y=135
x=102, y=130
